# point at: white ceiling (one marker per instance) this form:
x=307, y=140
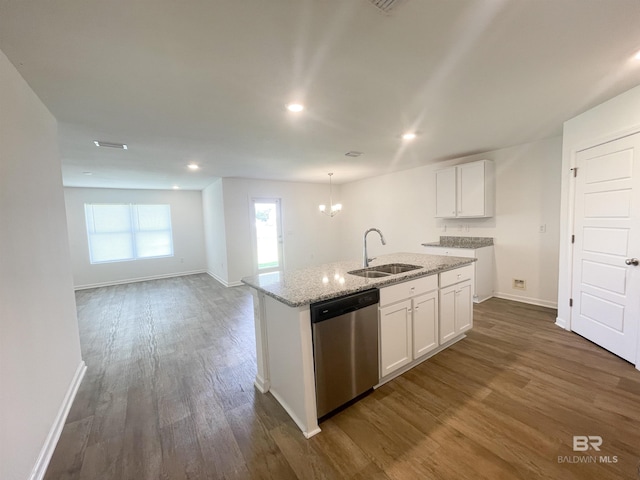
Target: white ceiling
x=207, y=81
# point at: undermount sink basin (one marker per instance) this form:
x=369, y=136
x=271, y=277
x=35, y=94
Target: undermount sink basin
x=393, y=268
x=384, y=270
x=369, y=273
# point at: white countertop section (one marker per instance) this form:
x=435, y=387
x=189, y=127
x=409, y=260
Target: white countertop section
x=331, y=280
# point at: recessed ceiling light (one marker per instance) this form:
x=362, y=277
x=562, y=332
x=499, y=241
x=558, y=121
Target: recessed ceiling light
x=193, y=166
x=637, y=55
x=99, y=143
x=295, y=107
x=176, y=187
x=409, y=136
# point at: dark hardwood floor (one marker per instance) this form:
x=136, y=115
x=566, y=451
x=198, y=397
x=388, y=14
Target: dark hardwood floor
x=169, y=394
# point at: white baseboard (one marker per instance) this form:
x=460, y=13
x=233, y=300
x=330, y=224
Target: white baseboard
x=138, y=279
x=223, y=281
x=307, y=433
x=261, y=384
x=40, y=468
x=529, y=300
x=562, y=323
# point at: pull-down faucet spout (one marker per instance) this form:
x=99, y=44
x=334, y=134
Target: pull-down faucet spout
x=366, y=259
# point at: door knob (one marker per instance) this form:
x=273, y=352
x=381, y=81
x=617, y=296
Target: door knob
x=632, y=261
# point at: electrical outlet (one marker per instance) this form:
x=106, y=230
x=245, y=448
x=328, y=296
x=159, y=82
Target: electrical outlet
x=519, y=284
x=543, y=228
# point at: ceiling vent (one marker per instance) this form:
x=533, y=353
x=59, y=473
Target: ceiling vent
x=121, y=146
x=385, y=6
x=353, y=153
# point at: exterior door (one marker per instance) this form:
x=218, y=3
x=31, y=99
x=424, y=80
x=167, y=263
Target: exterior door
x=606, y=283
x=267, y=234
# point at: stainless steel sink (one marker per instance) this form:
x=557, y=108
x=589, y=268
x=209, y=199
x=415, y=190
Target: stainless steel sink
x=384, y=270
x=369, y=273
x=394, y=268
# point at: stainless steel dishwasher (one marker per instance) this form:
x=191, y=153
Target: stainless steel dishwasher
x=345, y=348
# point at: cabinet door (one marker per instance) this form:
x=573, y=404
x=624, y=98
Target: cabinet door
x=425, y=323
x=395, y=337
x=447, y=314
x=471, y=190
x=463, y=307
x=446, y=193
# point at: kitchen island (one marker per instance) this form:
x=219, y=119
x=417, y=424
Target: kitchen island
x=284, y=344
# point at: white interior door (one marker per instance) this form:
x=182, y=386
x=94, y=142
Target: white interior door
x=606, y=283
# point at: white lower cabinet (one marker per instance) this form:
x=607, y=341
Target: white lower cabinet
x=409, y=327
x=456, y=309
x=483, y=267
x=419, y=316
x=395, y=337
x=425, y=323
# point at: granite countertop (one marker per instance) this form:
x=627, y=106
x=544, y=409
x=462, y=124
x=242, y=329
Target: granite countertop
x=331, y=280
x=462, y=242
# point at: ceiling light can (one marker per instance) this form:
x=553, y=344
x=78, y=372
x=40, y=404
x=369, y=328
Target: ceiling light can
x=295, y=107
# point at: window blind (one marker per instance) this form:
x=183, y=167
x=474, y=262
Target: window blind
x=120, y=232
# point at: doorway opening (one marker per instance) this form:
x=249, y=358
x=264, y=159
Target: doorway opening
x=268, y=234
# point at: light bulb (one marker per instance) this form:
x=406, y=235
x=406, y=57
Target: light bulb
x=295, y=107
x=322, y=208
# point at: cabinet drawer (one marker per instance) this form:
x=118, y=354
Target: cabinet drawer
x=456, y=276
x=404, y=290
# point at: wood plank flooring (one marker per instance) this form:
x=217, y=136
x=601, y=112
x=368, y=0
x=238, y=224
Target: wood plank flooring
x=169, y=395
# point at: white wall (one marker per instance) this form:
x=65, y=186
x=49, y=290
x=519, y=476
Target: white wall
x=402, y=205
x=310, y=238
x=610, y=120
x=39, y=342
x=215, y=234
x=188, y=236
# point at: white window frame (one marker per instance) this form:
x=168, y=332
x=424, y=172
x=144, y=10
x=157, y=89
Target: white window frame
x=254, y=235
x=132, y=231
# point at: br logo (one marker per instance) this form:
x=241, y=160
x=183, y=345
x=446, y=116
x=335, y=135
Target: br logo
x=583, y=443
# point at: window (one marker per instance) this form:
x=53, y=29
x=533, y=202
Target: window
x=119, y=232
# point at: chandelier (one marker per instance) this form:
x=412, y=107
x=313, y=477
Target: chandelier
x=333, y=209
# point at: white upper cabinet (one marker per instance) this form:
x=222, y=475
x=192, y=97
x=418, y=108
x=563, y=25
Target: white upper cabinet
x=465, y=191
x=446, y=193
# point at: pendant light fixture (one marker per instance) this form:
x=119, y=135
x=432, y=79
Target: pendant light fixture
x=333, y=209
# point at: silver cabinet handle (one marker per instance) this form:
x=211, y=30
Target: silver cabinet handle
x=632, y=261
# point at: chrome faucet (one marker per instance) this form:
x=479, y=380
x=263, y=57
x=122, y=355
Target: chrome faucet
x=366, y=259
